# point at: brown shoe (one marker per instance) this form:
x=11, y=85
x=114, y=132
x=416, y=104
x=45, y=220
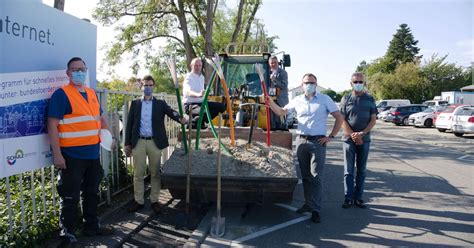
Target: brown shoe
x=156, y=207
x=135, y=207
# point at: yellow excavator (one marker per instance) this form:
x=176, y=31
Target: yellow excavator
x=244, y=84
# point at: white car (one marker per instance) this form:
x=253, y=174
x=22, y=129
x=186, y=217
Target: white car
x=422, y=119
x=463, y=121
x=445, y=119
x=383, y=115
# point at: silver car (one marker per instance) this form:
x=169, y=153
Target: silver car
x=463, y=121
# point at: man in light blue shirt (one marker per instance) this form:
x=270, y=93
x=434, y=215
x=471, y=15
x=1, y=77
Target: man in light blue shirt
x=312, y=110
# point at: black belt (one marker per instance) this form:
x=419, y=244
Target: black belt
x=311, y=137
x=145, y=138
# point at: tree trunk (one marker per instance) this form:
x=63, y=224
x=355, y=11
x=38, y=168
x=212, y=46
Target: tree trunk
x=190, y=53
x=250, y=20
x=238, y=23
x=208, y=37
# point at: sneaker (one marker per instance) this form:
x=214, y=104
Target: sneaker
x=347, y=203
x=101, y=231
x=360, y=204
x=305, y=208
x=135, y=207
x=156, y=207
x=315, y=217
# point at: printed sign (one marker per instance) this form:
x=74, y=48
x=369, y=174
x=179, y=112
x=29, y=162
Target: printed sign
x=36, y=42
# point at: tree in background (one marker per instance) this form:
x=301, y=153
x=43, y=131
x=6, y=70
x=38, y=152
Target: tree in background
x=331, y=93
x=341, y=94
x=188, y=28
x=442, y=76
x=402, y=48
x=362, y=67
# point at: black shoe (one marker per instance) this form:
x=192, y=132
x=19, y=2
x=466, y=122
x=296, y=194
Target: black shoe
x=156, y=207
x=305, y=208
x=360, y=204
x=135, y=207
x=347, y=203
x=315, y=217
x=101, y=231
x=68, y=243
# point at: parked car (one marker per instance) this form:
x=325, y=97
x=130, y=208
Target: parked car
x=463, y=121
x=422, y=119
x=399, y=115
x=438, y=111
x=431, y=103
x=382, y=105
x=445, y=118
x=383, y=110
x=383, y=115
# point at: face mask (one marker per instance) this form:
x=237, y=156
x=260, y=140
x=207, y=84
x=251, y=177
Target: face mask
x=358, y=87
x=309, y=89
x=148, y=91
x=78, y=77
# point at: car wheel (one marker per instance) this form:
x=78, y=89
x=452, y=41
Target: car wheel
x=442, y=130
x=459, y=134
x=405, y=121
x=428, y=123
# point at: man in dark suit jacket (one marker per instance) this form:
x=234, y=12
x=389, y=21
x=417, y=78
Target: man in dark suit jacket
x=146, y=136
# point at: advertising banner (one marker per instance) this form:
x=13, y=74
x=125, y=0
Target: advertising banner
x=36, y=42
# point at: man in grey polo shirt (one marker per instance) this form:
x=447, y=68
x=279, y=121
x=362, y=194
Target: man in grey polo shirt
x=359, y=111
x=312, y=110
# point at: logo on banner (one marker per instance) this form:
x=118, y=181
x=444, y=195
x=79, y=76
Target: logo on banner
x=47, y=154
x=11, y=160
x=19, y=154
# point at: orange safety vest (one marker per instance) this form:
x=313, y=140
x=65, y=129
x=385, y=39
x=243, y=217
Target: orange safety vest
x=82, y=126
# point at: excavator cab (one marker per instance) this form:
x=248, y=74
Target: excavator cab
x=243, y=81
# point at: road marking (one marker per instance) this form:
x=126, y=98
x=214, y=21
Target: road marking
x=463, y=157
x=269, y=230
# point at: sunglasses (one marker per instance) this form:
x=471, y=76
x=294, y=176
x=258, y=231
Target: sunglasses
x=357, y=82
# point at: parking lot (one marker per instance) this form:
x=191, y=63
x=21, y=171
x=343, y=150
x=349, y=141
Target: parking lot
x=429, y=136
x=419, y=192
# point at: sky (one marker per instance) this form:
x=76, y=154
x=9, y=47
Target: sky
x=330, y=38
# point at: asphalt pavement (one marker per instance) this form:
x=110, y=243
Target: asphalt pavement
x=419, y=194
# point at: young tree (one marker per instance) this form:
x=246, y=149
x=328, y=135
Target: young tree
x=402, y=48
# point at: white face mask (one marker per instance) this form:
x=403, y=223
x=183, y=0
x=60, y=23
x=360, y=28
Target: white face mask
x=358, y=87
x=309, y=89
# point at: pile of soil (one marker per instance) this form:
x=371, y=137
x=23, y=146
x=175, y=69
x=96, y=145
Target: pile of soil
x=256, y=160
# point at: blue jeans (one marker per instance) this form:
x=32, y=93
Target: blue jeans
x=311, y=158
x=354, y=156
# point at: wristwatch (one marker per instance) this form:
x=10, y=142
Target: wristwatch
x=331, y=136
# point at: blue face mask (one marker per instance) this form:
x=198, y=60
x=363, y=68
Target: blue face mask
x=148, y=91
x=358, y=87
x=78, y=77
x=309, y=89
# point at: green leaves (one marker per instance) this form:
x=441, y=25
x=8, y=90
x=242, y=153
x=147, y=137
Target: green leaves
x=402, y=48
x=33, y=235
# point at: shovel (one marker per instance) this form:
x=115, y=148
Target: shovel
x=218, y=223
x=182, y=218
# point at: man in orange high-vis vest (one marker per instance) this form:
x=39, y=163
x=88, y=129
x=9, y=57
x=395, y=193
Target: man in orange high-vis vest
x=74, y=123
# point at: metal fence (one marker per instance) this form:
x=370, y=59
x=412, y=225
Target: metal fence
x=35, y=191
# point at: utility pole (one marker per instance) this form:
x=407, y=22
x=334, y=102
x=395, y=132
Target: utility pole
x=59, y=4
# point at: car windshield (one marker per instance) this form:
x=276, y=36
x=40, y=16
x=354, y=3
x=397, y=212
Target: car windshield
x=465, y=111
x=449, y=109
x=428, y=110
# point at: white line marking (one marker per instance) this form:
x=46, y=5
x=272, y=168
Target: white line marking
x=463, y=157
x=271, y=229
x=286, y=206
